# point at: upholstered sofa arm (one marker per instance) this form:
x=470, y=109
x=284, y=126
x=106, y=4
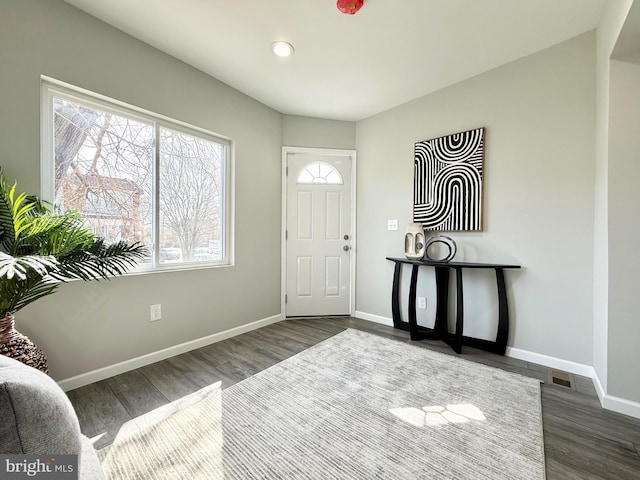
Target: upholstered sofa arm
x=36, y=417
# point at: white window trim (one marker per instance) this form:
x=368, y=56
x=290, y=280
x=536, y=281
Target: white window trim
x=51, y=87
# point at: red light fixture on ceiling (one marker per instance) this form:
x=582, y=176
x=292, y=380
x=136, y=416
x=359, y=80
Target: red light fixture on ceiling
x=349, y=6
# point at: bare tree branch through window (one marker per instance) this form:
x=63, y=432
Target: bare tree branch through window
x=107, y=167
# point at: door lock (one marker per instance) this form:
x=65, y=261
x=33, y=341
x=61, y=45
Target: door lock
x=346, y=237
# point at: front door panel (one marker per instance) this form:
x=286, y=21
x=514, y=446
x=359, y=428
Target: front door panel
x=318, y=235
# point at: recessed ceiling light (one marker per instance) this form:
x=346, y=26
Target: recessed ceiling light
x=282, y=49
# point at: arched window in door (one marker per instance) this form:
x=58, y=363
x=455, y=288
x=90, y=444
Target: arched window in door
x=320, y=173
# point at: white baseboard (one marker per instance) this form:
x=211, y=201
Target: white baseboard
x=118, y=368
x=374, y=318
x=599, y=388
x=616, y=404
x=567, y=366
x=609, y=402
x=621, y=405
x=553, y=362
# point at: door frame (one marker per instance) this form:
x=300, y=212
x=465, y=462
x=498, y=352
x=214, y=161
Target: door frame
x=286, y=150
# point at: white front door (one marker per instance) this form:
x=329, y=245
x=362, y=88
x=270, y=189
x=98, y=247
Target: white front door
x=319, y=234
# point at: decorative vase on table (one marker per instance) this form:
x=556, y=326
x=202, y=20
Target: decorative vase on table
x=14, y=344
x=414, y=245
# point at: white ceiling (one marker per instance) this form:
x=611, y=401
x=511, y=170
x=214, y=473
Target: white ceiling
x=627, y=47
x=346, y=67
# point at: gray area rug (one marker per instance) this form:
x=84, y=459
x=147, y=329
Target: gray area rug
x=356, y=406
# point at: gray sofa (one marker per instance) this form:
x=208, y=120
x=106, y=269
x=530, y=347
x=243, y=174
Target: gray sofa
x=36, y=417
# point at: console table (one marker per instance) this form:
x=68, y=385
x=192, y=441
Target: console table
x=440, y=328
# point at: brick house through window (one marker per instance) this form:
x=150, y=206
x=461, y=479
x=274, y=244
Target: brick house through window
x=109, y=205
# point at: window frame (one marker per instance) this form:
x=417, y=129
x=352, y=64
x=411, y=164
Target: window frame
x=319, y=163
x=51, y=88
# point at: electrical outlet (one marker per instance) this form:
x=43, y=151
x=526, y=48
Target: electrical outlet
x=422, y=302
x=155, y=312
x=392, y=224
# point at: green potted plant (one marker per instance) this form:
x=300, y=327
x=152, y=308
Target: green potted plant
x=40, y=247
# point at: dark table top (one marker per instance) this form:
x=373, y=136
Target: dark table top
x=431, y=263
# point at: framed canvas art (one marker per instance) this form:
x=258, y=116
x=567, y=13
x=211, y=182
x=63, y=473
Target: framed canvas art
x=447, y=184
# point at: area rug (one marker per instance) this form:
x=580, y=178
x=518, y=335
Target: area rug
x=356, y=406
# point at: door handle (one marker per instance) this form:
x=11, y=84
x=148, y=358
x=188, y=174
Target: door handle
x=346, y=248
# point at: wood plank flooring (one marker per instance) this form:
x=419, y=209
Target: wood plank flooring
x=582, y=440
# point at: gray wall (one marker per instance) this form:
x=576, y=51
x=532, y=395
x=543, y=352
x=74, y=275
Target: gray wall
x=624, y=229
x=87, y=325
x=300, y=131
x=539, y=114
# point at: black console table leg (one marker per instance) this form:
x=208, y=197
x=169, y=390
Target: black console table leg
x=395, y=297
x=457, y=342
x=453, y=340
x=503, y=314
x=500, y=345
x=417, y=332
x=442, y=300
x=413, y=321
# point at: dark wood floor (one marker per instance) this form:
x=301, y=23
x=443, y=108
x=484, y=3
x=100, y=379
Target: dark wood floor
x=582, y=441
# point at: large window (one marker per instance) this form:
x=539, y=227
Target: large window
x=138, y=176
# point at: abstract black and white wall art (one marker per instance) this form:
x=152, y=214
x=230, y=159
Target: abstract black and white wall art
x=447, y=185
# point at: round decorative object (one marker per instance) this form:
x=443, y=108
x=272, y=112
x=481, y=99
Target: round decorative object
x=15, y=345
x=414, y=246
x=349, y=7
x=444, y=240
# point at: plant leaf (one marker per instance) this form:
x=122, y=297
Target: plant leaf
x=20, y=266
x=44, y=246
